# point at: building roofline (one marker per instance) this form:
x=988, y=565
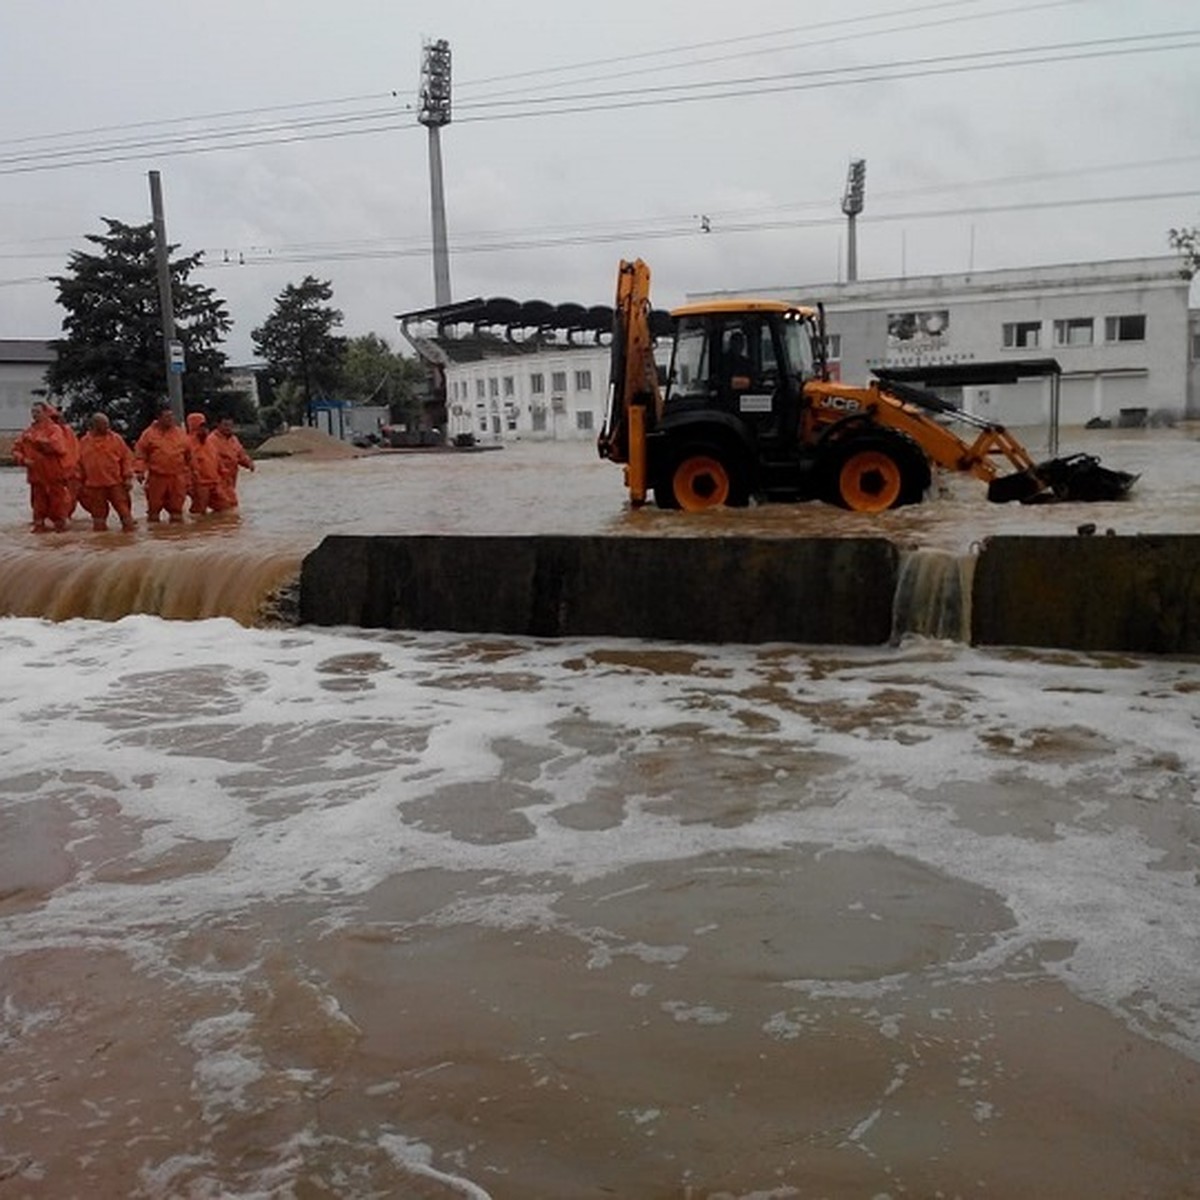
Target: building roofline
x=27, y=350
x=1161, y=270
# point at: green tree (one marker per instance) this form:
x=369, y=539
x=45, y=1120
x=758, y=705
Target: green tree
x=110, y=358
x=1187, y=242
x=373, y=373
x=299, y=347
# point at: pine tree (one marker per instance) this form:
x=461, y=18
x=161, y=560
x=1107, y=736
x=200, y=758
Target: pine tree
x=110, y=358
x=299, y=346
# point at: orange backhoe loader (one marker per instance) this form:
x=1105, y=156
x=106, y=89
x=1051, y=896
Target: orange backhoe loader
x=748, y=410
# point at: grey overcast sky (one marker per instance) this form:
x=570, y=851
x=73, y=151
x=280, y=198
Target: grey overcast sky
x=1041, y=131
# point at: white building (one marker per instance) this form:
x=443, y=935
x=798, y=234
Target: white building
x=23, y=363
x=1121, y=332
x=545, y=392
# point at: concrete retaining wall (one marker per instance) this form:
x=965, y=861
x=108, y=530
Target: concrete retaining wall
x=814, y=590
x=1137, y=594
x=1140, y=594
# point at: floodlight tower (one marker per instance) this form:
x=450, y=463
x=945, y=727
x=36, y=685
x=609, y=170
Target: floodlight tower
x=852, y=205
x=435, y=112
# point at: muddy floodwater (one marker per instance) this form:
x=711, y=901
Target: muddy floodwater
x=224, y=567
x=291, y=913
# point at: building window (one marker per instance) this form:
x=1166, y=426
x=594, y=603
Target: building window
x=538, y=420
x=508, y=385
x=1196, y=347
x=1075, y=331
x=537, y=383
x=493, y=386
x=479, y=389
x=583, y=418
x=1025, y=335
x=1125, y=329
x=833, y=347
x=558, y=381
x=583, y=381
x=510, y=417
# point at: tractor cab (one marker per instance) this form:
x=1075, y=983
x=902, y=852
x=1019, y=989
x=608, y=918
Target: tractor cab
x=747, y=359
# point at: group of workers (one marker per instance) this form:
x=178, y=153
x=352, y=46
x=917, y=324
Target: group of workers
x=96, y=471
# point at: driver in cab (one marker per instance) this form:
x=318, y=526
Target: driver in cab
x=739, y=370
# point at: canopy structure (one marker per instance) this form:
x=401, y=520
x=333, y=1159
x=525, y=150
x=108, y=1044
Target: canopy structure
x=527, y=317
x=981, y=374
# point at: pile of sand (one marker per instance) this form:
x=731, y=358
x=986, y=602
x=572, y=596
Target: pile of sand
x=310, y=442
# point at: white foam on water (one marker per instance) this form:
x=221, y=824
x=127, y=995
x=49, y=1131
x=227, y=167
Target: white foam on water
x=321, y=763
x=417, y=1157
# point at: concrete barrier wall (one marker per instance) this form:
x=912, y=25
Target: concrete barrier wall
x=1137, y=594
x=1140, y=594
x=813, y=590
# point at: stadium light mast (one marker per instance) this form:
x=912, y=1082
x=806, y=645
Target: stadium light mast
x=434, y=113
x=852, y=205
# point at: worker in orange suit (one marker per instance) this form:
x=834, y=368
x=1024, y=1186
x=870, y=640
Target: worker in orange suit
x=74, y=473
x=42, y=450
x=233, y=457
x=106, y=466
x=162, y=459
x=206, y=465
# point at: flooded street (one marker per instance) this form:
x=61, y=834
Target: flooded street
x=222, y=567
x=297, y=913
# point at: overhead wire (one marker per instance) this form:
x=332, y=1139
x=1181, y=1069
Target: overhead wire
x=809, y=43
x=382, y=120
x=770, y=34
x=653, y=233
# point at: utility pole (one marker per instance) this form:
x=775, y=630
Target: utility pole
x=435, y=112
x=172, y=346
x=852, y=205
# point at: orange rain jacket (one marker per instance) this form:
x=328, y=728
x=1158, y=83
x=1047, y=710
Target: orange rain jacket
x=206, y=455
x=163, y=452
x=105, y=459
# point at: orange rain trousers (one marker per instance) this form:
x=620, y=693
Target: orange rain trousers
x=165, y=457
x=206, y=475
x=232, y=456
x=106, y=467
x=42, y=451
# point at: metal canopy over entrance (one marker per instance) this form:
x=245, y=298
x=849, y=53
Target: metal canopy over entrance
x=978, y=374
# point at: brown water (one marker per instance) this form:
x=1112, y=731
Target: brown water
x=219, y=567
x=292, y=913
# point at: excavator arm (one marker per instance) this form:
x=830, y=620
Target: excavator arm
x=908, y=411
x=634, y=397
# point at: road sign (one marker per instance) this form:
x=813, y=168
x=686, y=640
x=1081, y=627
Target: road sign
x=175, y=349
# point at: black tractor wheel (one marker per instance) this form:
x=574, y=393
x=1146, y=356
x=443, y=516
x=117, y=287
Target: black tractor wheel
x=702, y=476
x=874, y=472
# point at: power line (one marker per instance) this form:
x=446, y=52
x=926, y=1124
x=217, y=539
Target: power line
x=899, y=69
x=217, y=116
x=772, y=34
x=908, y=26
x=378, y=121
x=683, y=221
x=651, y=233
x=417, y=249
x=224, y=115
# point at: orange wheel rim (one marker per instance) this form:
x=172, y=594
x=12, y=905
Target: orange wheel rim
x=870, y=481
x=701, y=482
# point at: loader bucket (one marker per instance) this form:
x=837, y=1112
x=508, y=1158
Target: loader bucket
x=1081, y=477
x=1020, y=485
